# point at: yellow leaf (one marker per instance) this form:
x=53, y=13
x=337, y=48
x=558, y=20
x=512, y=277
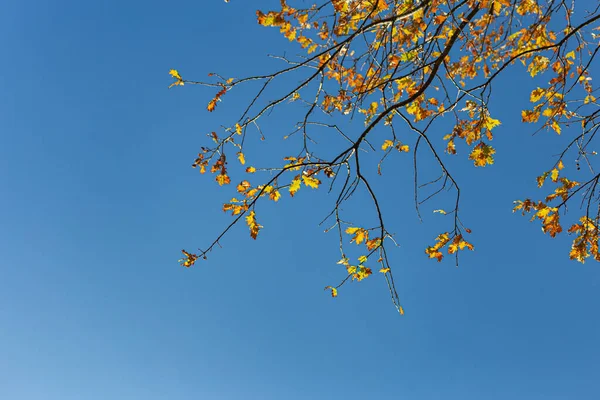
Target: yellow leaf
x=482, y=155
x=253, y=224
x=384, y=270
x=402, y=148
x=556, y=127
x=334, y=291
x=223, y=179
x=294, y=186
x=175, y=74
x=238, y=129
x=360, y=235
x=189, y=259
x=387, y=144
x=178, y=79
x=243, y=186
x=311, y=181
x=250, y=170
x=241, y=158
x=554, y=175
x=490, y=123
x=274, y=195
x=560, y=165
x=570, y=54
x=362, y=259
x=373, y=243
x=536, y=95
x=440, y=211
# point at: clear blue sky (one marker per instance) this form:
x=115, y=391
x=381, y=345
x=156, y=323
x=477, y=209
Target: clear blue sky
x=98, y=197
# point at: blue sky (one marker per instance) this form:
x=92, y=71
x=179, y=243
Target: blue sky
x=98, y=197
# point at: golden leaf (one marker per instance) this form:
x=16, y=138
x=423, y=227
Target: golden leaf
x=175, y=74
x=386, y=145
x=274, y=195
x=223, y=179
x=241, y=158
x=402, y=148
x=311, y=181
x=189, y=259
x=360, y=235
x=334, y=291
x=253, y=224
x=373, y=243
x=294, y=186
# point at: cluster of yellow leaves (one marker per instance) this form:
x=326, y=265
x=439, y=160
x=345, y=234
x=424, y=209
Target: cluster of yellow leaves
x=253, y=224
x=236, y=206
x=482, y=155
x=283, y=20
x=553, y=173
x=473, y=131
x=361, y=235
x=419, y=109
x=222, y=178
x=555, y=108
x=358, y=272
x=586, y=241
x=548, y=215
x=454, y=244
x=398, y=146
x=369, y=112
x=200, y=163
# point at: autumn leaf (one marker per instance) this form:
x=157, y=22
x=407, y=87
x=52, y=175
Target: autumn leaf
x=253, y=224
x=223, y=179
x=250, y=170
x=241, y=158
x=178, y=80
x=434, y=251
x=386, y=145
x=373, y=243
x=458, y=243
x=360, y=234
x=384, y=270
x=361, y=273
x=243, y=186
x=536, y=95
x=311, y=181
x=294, y=186
x=402, y=148
x=274, y=195
x=482, y=155
x=334, y=291
x=189, y=259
